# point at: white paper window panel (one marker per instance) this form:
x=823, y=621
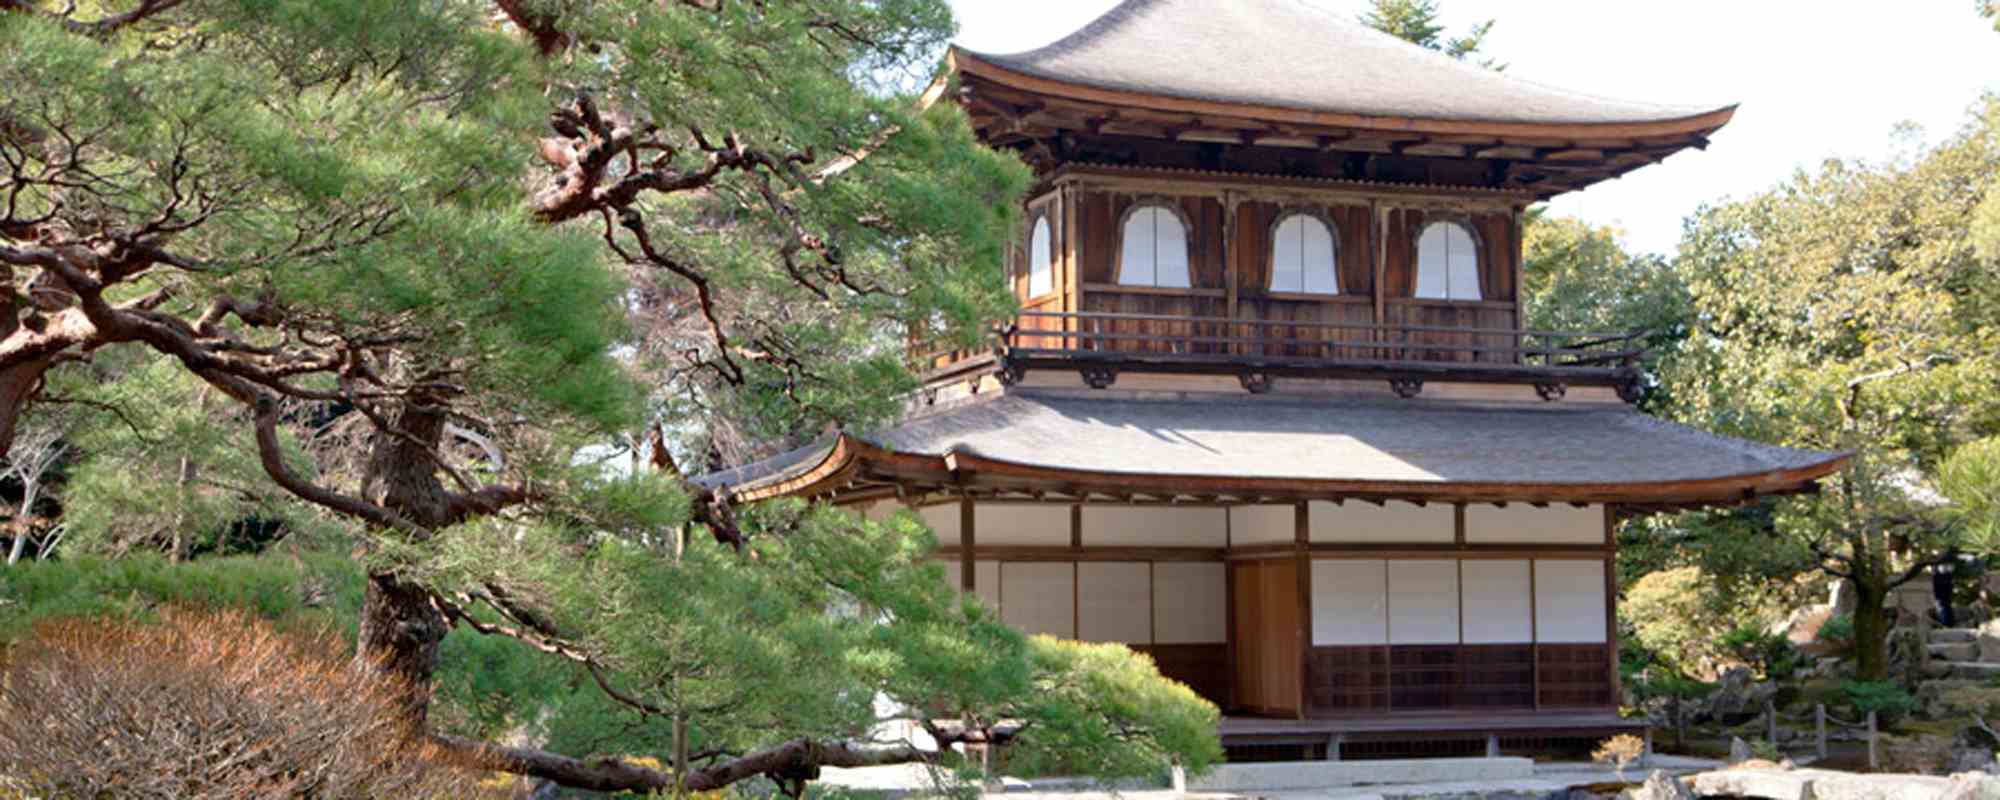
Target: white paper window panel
x=1447, y=263
x=1356, y=521
x=1262, y=524
x=1520, y=523
x=1569, y=601
x=1105, y=526
x=1039, y=598
x=1498, y=609
x=1041, y=274
x=1302, y=258
x=1423, y=602
x=1348, y=598
x=1114, y=602
x=1007, y=525
x=1154, y=249
x=1190, y=603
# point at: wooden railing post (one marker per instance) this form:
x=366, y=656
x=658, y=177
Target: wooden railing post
x=1771, y=723
x=1872, y=757
x=1819, y=724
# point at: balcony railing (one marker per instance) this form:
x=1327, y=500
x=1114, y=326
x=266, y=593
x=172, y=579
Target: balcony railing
x=1256, y=339
x=1102, y=344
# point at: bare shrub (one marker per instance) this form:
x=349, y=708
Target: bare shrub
x=206, y=705
x=1620, y=752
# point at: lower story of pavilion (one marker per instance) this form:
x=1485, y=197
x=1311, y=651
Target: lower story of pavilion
x=1318, y=627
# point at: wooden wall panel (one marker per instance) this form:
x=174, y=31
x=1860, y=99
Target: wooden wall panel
x=1345, y=680
x=1353, y=680
x=1496, y=235
x=1202, y=667
x=1573, y=675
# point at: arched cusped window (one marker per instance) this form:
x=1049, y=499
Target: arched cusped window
x=1041, y=274
x=1302, y=256
x=1154, y=250
x=1447, y=263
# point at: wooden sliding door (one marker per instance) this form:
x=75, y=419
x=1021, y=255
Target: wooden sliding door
x=1264, y=608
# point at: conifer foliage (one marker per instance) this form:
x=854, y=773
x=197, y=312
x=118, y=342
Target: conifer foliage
x=431, y=259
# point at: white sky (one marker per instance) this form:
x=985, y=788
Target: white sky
x=1816, y=80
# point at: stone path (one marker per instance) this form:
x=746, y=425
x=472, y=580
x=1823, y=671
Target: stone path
x=903, y=781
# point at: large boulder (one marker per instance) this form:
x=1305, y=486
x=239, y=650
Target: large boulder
x=1971, y=750
x=1738, y=697
x=1660, y=786
x=1948, y=697
x=1818, y=784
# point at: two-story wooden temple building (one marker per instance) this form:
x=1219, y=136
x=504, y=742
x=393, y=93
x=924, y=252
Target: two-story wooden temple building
x=1269, y=411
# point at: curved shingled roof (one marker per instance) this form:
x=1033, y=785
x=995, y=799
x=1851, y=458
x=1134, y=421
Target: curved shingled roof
x=1545, y=452
x=1287, y=54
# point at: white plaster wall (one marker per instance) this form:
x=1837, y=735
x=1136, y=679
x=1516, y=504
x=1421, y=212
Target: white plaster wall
x=1356, y=521
x=1114, y=602
x=985, y=582
x=1519, y=523
x=1002, y=525
x=1569, y=601
x=1190, y=603
x=1497, y=607
x=1423, y=602
x=1039, y=598
x=943, y=521
x=1348, y=602
x=1262, y=524
x=1122, y=526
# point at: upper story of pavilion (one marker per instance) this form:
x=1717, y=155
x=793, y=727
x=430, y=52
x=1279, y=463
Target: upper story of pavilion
x=1267, y=191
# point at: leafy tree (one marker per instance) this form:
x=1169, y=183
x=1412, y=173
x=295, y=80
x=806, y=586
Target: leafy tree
x=1416, y=21
x=734, y=215
x=1849, y=309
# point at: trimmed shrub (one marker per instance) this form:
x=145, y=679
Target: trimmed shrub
x=1770, y=655
x=206, y=705
x=1890, y=702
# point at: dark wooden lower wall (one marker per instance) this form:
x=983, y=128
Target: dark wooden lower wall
x=1203, y=667
x=1346, y=680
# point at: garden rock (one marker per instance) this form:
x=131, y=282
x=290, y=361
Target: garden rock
x=1939, y=698
x=1988, y=637
x=1660, y=786
x=1738, y=697
x=1739, y=750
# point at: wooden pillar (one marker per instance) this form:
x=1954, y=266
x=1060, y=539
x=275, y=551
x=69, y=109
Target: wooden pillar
x=1302, y=564
x=968, y=574
x=1611, y=602
x=1534, y=635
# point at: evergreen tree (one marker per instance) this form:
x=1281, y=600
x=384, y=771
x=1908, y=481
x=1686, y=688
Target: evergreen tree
x=1416, y=21
x=736, y=214
x=1851, y=308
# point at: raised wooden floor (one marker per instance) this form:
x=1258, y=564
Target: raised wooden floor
x=1250, y=731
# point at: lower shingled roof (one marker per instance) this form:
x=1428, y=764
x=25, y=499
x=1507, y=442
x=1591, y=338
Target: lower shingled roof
x=1280, y=438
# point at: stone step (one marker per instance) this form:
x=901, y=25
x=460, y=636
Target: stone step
x=1954, y=635
x=1955, y=651
x=1974, y=670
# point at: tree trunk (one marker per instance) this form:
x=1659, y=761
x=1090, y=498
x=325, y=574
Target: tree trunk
x=1871, y=629
x=400, y=627
x=400, y=633
x=18, y=384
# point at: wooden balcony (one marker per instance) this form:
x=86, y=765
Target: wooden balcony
x=1100, y=345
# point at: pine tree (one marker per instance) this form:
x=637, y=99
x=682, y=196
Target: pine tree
x=733, y=216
